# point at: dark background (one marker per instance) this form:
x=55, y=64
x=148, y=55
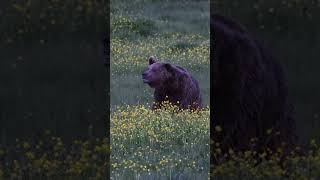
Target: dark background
x=52, y=69
x=292, y=29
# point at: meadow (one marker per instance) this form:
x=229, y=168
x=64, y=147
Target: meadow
x=171, y=30
x=160, y=144
x=140, y=29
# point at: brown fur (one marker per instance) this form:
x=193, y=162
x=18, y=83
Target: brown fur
x=249, y=90
x=172, y=83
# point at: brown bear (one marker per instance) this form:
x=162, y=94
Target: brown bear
x=250, y=95
x=172, y=83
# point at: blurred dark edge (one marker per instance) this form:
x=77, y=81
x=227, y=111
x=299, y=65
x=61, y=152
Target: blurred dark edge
x=291, y=29
x=56, y=82
x=211, y=78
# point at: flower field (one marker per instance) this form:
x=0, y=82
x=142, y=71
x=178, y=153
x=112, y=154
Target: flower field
x=158, y=144
x=162, y=144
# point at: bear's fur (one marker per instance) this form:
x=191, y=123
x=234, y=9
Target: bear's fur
x=172, y=83
x=250, y=96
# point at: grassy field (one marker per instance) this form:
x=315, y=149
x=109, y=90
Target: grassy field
x=164, y=144
x=173, y=31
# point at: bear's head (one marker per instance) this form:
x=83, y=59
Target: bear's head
x=159, y=74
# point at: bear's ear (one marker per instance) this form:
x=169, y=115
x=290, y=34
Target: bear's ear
x=152, y=60
x=168, y=67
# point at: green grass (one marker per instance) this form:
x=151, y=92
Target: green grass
x=168, y=31
x=164, y=144
x=129, y=59
x=159, y=144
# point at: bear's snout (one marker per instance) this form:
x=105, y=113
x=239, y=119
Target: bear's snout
x=144, y=77
x=144, y=74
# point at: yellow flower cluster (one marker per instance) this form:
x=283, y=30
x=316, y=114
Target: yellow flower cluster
x=161, y=141
x=266, y=165
x=49, y=158
x=128, y=56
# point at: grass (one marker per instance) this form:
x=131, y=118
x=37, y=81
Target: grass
x=129, y=59
x=268, y=165
x=160, y=144
x=48, y=157
x=145, y=144
x=138, y=33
